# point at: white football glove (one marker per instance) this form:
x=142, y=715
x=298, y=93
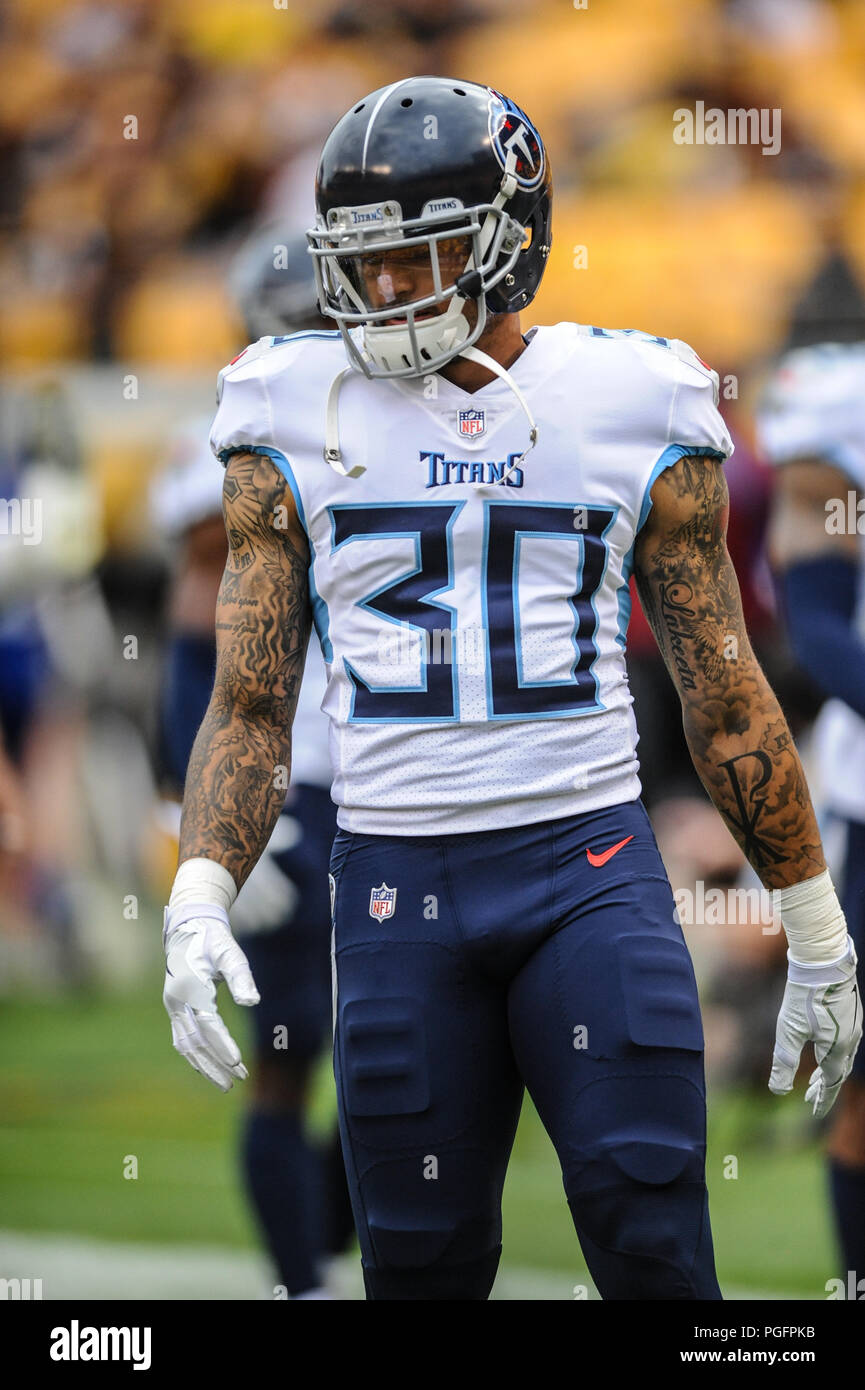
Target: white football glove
x=821, y=1004
x=200, y=951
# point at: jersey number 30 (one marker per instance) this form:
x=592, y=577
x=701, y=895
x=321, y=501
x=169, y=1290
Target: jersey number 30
x=412, y=603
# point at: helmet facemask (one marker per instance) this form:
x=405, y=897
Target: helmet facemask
x=464, y=252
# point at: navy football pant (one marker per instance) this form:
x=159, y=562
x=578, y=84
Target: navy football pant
x=509, y=960
x=289, y=962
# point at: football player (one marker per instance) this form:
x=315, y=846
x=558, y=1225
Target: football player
x=457, y=507
x=282, y=916
x=812, y=424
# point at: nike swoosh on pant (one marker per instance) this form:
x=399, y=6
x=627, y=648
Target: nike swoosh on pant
x=598, y=859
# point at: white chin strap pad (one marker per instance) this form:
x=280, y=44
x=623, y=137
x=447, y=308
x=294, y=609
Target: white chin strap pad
x=391, y=346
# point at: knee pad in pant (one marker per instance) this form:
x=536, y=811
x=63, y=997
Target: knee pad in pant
x=638, y=1193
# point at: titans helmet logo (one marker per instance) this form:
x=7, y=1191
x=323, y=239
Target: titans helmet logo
x=511, y=129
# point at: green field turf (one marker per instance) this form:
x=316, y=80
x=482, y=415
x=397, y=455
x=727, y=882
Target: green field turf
x=87, y=1082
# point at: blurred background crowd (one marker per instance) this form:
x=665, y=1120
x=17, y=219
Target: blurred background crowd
x=140, y=139
x=144, y=145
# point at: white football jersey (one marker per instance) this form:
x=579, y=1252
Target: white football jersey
x=815, y=408
x=473, y=628
x=310, y=751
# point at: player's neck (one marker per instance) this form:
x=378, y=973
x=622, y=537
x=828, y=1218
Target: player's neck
x=503, y=340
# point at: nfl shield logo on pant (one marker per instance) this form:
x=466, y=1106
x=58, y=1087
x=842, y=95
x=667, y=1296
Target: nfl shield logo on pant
x=382, y=901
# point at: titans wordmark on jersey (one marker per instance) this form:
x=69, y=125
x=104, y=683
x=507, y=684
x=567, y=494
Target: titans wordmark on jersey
x=473, y=618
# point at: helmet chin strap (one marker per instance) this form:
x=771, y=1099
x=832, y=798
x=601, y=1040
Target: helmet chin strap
x=333, y=455
x=442, y=334
x=484, y=360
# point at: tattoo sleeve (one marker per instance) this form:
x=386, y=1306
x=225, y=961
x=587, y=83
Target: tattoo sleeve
x=738, y=737
x=238, y=770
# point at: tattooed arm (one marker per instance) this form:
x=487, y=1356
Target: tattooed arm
x=737, y=735
x=233, y=796
x=744, y=754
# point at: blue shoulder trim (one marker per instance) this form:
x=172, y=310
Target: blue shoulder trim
x=671, y=455
x=306, y=333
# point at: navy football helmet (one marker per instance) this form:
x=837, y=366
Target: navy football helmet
x=452, y=176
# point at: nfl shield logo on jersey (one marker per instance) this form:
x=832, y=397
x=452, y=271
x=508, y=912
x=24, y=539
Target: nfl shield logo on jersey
x=382, y=901
x=471, y=422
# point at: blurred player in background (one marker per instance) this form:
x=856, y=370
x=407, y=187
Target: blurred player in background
x=282, y=917
x=50, y=541
x=812, y=424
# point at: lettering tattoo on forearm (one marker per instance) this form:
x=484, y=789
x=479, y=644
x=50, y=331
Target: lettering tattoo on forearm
x=738, y=737
x=233, y=796
x=674, y=599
